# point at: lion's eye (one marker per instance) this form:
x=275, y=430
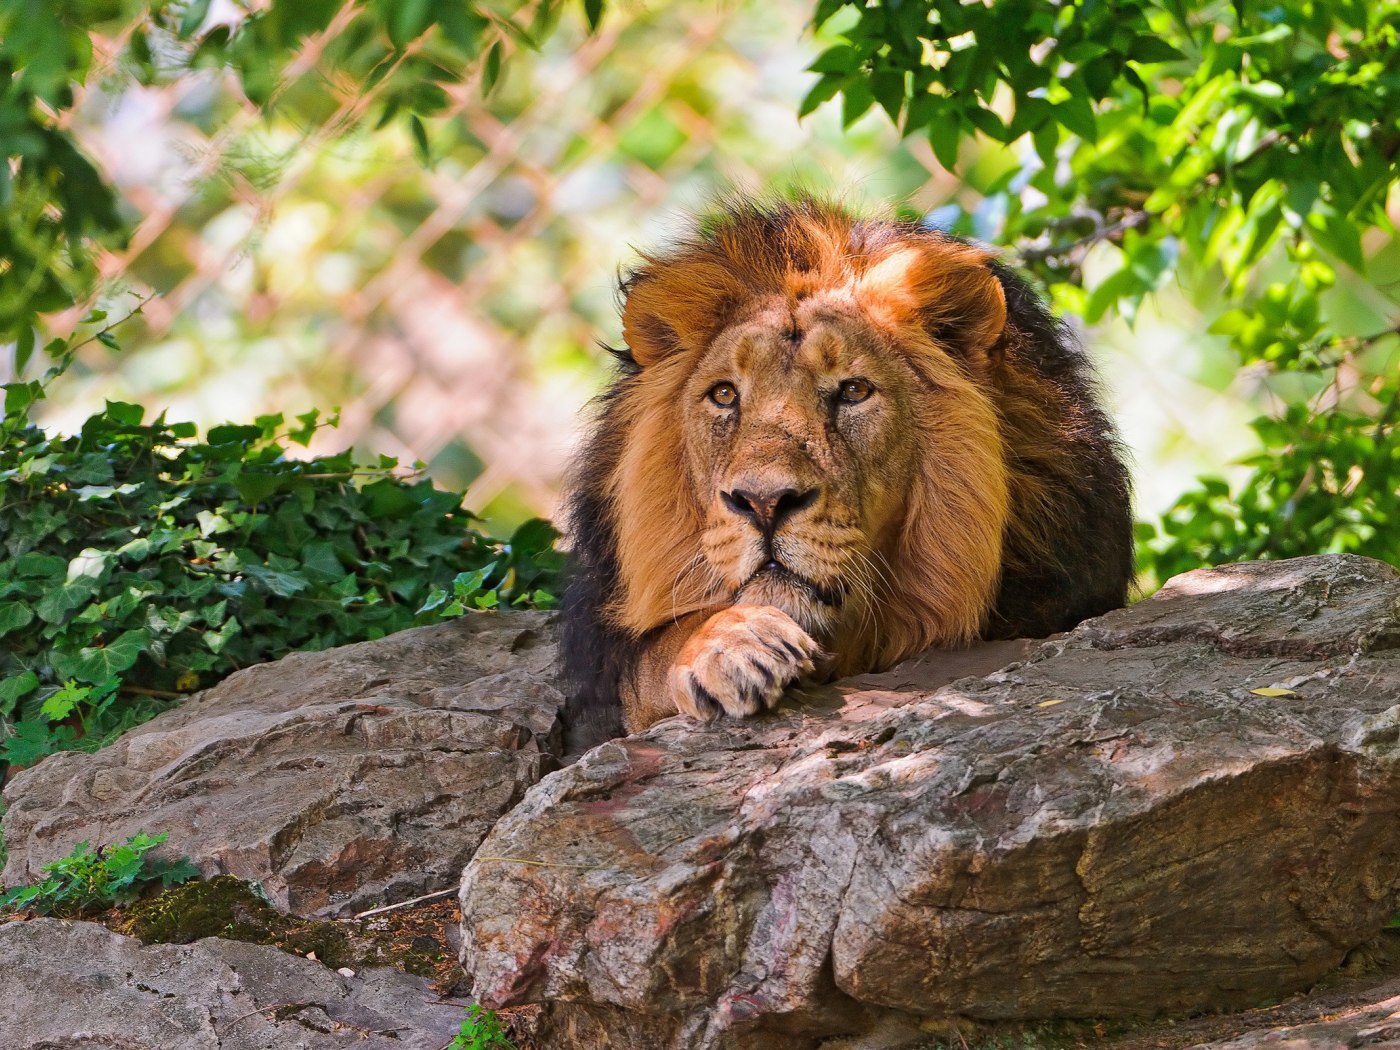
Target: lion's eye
x=724, y=395
x=855, y=390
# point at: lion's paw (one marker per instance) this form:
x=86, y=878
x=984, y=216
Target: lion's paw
x=740, y=661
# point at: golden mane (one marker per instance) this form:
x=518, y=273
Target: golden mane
x=945, y=560
x=1015, y=430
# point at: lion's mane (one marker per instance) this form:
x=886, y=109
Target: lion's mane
x=1065, y=553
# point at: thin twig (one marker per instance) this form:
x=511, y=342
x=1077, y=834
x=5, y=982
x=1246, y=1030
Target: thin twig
x=404, y=904
x=540, y=863
x=1131, y=220
x=159, y=694
x=361, y=474
x=263, y=1010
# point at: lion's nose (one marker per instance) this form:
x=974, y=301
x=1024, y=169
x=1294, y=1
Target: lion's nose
x=768, y=509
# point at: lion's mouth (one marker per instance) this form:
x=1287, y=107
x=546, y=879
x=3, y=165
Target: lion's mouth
x=775, y=572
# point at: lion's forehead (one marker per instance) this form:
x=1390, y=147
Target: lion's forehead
x=788, y=351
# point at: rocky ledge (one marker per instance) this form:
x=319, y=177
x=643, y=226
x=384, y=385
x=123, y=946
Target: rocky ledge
x=76, y=984
x=1189, y=804
x=338, y=779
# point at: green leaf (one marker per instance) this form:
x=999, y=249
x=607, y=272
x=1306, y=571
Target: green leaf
x=1077, y=115
x=33, y=740
x=420, y=138
x=987, y=122
x=123, y=413
x=533, y=537
x=229, y=434
x=19, y=396
x=842, y=59
x=13, y=616
x=388, y=499
x=195, y=13
x=256, y=488
x=822, y=91
x=856, y=100
x=24, y=348
x=888, y=89
x=466, y=584
x=944, y=136
x=217, y=640
x=490, y=73
x=61, y=704
x=1153, y=49
x=14, y=687
x=96, y=664
x=593, y=12
x=282, y=584
x=58, y=602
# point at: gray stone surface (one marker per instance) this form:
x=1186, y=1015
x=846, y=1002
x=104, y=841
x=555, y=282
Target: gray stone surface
x=339, y=780
x=1118, y=825
x=77, y=984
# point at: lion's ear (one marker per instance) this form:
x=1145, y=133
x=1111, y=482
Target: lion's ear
x=675, y=306
x=946, y=289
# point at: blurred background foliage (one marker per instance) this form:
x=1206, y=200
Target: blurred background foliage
x=303, y=257
x=415, y=211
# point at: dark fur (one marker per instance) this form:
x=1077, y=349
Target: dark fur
x=1087, y=564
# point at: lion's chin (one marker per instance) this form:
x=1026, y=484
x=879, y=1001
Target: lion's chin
x=815, y=608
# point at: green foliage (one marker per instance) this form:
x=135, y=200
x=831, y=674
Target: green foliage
x=482, y=1030
x=53, y=202
x=88, y=880
x=138, y=562
x=1323, y=483
x=1244, y=146
x=56, y=207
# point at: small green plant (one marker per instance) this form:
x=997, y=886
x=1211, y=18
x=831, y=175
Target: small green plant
x=89, y=880
x=482, y=1030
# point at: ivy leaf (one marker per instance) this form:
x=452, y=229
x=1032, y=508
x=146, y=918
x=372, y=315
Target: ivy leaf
x=14, y=687
x=96, y=664
x=13, y=616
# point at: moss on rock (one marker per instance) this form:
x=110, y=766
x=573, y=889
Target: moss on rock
x=228, y=907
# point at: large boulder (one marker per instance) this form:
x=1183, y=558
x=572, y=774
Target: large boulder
x=1188, y=804
x=337, y=779
x=77, y=984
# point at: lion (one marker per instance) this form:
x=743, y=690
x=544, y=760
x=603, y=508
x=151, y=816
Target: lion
x=831, y=442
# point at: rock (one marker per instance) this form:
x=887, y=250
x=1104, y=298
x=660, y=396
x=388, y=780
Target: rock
x=338, y=779
x=71, y=984
x=1375, y=1026
x=1117, y=826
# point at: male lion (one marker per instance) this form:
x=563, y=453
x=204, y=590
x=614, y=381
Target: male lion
x=832, y=442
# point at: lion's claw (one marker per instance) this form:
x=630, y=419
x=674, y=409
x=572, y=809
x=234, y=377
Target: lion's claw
x=740, y=661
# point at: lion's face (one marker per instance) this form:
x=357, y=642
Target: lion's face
x=810, y=426
x=793, y=421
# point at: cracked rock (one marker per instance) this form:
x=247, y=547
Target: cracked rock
x=1117, y=825
x=339, y=779
x=77, y=984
